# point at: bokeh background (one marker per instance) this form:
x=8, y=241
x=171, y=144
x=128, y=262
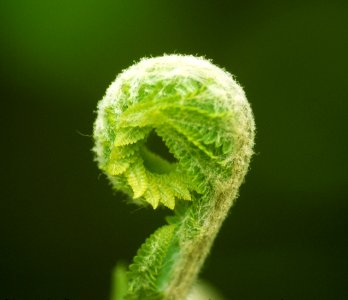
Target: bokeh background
x=63, y=228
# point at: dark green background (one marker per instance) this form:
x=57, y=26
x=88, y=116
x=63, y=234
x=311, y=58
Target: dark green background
x=63, y=229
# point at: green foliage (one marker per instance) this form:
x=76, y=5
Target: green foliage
x=202, y=116
x=148, y=263
x=119, y=282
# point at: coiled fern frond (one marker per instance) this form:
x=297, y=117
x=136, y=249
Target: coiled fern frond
x=202, y=117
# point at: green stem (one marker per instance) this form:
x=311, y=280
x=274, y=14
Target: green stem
x=195, y=247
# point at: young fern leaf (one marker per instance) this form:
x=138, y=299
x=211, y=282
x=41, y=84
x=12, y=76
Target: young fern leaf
x=148, y=263
x=202, y=116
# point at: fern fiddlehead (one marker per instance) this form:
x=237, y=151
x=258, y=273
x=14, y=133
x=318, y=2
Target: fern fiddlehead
x=202, y=116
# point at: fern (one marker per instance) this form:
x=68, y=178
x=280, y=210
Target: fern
x=148, y=263
x=202, y=116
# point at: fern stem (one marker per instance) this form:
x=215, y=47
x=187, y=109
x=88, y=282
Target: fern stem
x=202, y=116
x=196, y=248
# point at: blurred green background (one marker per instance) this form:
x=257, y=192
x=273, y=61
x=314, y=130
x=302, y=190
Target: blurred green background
x=63, y=229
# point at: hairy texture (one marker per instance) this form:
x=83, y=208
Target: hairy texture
x=202, y=116
x=148, y=262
